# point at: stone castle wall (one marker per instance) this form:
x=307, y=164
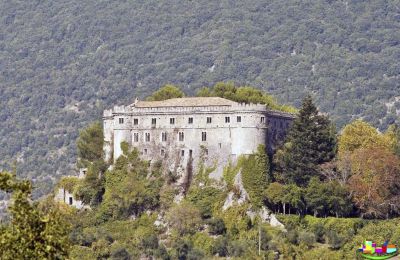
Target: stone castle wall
x=152, y=132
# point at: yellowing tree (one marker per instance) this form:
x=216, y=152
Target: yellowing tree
x=360, y=134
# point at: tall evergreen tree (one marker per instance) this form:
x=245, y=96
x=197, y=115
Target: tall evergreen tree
x=311, y=141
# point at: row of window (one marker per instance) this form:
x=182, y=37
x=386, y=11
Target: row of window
x=190, y=120
x=181, y=137
x=182, y=152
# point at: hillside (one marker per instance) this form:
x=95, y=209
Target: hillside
x=63, y=62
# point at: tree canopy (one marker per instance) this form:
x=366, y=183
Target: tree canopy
x=166, y=92
x=31, y=233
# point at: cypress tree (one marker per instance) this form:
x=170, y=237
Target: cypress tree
x=311, y=141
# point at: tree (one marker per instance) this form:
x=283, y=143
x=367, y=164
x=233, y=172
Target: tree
x=328, y=198
x=255, y=170
x=311, y=141
x=166, y=92
x=392, y=136
x=275, y=193
x=243, y=94
x=90, y=152
x=375, y=181
x=130, y=188
x=359, y=134
x=90, y=143
x=31, y=234
x=185, y=218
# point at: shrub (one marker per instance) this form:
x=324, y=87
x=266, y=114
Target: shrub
x=220, y=247
x=216, y=226
x=306, y=238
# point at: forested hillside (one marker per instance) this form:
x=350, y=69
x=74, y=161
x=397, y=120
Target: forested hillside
x=63, y=62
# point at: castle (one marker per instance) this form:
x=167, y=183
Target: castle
x=180, y=131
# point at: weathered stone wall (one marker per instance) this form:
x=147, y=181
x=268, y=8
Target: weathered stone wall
x=143, y=127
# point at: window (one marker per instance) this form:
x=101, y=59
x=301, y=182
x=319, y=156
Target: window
x=162, y=152
x=227, y=119
x=181, y=136
x=145, y=151
x=262, y=119
x=206, y=151
x=190, y=120
x=121, y=120
x=203, y=136
x=147, y=137
x=136, y=137
x=70, y=200
x=135, y=121
x=164, y=137
x=172, y=121
x=239, y=119
x=208, y=120
x=153, y=121
x=190, y=153
x=182, y=153
x=220, y=145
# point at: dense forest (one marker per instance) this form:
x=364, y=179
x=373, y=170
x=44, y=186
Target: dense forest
x=329, y=192
x=63, y=62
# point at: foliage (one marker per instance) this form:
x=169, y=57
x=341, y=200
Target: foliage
x=90, y=143
x=31, y=234
x=128, y=191
x=185, y=218
x=359, y=134
x=204, y=199
x=255, y=171
x=324, y=198
x=229, y=173
x=216, y=226
x=69, y=183
x=166, y=92
x=311, y=141
x=243, y=94
x=375, y=181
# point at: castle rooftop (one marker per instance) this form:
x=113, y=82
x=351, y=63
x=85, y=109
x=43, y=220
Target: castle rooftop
x=186, y=102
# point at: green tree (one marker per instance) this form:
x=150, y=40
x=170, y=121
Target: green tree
x=328, y=198
x=166, y=92
x=275, y=194
x=311, y=141
x=130, y=188
x=255, y=170
x=393, y=137
x=90, y=152
x=243, y=94
x=31, y=234
x=90, y=143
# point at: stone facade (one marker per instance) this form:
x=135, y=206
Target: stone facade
x=179, y=131
x=63, y=195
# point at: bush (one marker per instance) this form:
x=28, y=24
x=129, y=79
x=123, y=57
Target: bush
x=220, y=247
x=238, y=248
x=335, y=241
x=306, y=238
x=120, y=254
x=216, y=226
